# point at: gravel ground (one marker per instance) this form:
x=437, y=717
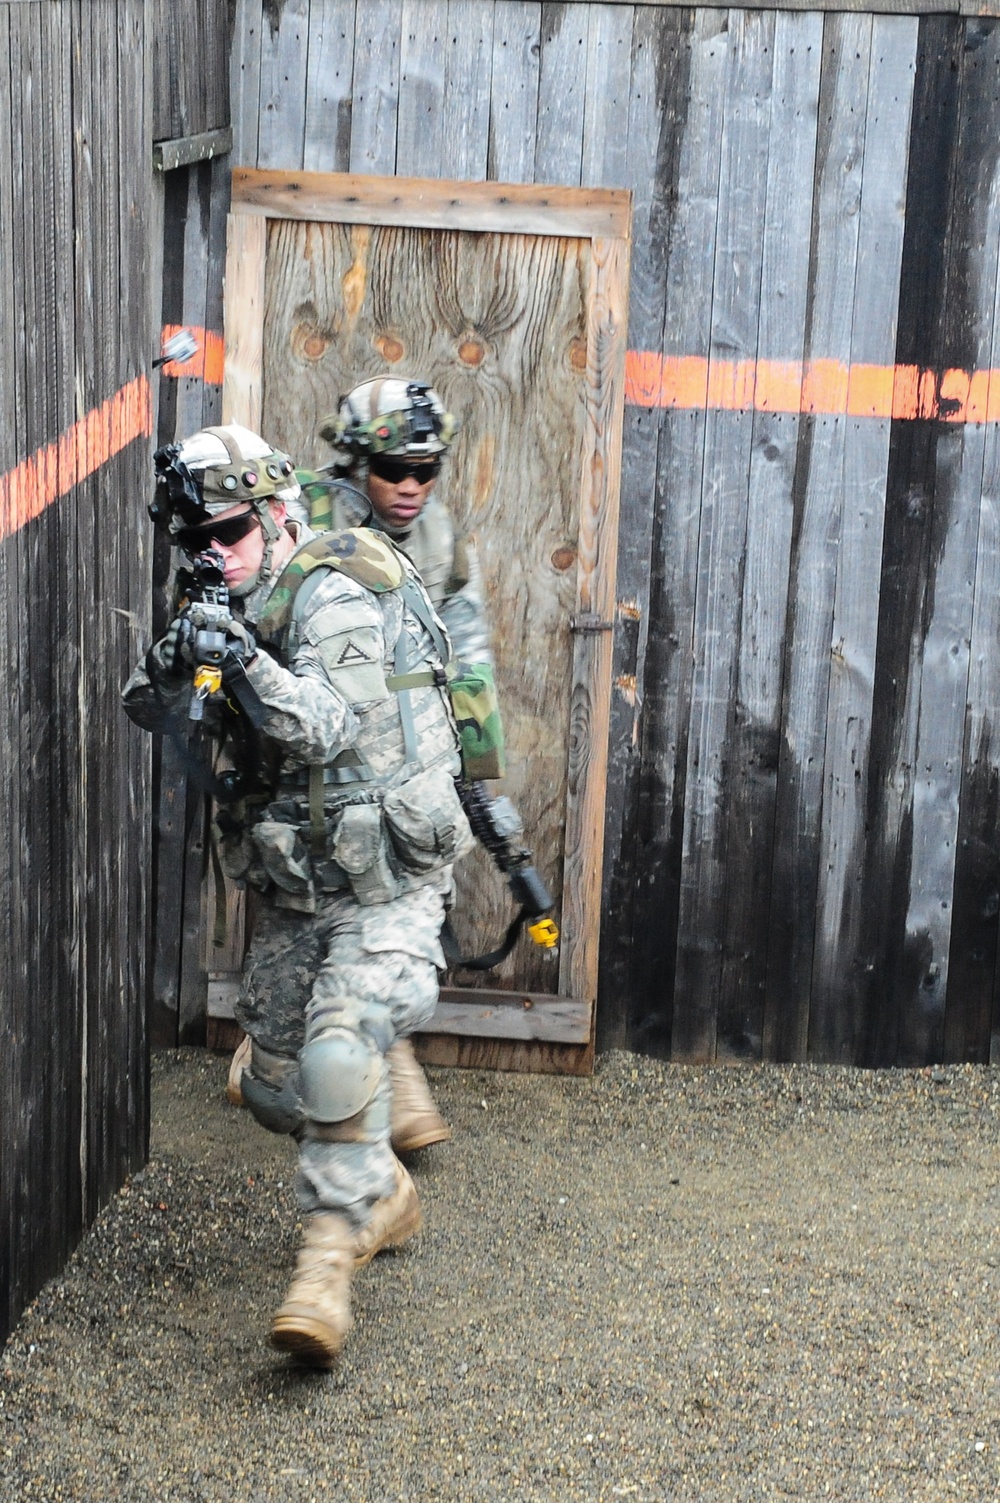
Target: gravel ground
x=662, y=1283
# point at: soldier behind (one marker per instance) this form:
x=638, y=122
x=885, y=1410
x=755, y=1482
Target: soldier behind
x=390, y=437
x=341, y=810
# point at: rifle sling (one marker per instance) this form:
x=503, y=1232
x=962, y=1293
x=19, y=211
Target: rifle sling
x=453, y=954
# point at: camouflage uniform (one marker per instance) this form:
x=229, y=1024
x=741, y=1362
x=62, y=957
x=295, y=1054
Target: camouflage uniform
x=347, y=935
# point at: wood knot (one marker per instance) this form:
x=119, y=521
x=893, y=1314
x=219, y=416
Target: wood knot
x=564, y=558
x=309, y=342
x=578, y=354
x=390, y=348
x=471, y=351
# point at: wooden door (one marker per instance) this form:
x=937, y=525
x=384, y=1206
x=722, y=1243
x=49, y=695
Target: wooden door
x=511, y=302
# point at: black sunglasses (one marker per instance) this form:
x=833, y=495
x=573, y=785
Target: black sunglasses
x=396, y=470
x=227, y=532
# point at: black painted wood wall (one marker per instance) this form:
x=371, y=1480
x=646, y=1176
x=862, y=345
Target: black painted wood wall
x=802, y=859
x=74, y=588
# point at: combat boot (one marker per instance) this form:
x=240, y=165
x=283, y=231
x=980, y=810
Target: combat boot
x=394, y=1220
x=416, y=1121
x=239, y=1062
x=316, y=1316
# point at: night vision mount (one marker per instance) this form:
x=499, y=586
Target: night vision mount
x=416, y=424
x=177, y=489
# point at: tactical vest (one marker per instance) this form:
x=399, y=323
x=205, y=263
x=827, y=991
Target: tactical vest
x=441, y=558
x=412, y=727
x=384, y=813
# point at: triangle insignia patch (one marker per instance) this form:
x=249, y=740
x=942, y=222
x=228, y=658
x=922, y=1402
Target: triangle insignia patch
x=353, y=654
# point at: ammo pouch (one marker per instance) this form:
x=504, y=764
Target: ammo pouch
x=285, y=860
x=360, y=847
x=426, y=822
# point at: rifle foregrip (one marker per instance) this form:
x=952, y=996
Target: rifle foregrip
x=529, y=891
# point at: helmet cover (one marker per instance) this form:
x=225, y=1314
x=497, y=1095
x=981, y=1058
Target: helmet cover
x=389, y=415
x=215, y=469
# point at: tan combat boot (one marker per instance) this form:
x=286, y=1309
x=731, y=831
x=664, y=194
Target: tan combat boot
x=394, y=1220
x=239, y=1062
x=316, y=1316
x=416, y=1121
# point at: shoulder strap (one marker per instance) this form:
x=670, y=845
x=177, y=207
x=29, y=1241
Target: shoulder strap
x=420, y=606
x=363, y=555
x=334, y=502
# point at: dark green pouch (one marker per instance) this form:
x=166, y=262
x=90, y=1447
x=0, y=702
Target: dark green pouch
x=477, y=712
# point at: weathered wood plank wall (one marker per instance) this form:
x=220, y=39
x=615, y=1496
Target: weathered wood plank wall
x=802, y=858
x=188, y=66
x=74, y=567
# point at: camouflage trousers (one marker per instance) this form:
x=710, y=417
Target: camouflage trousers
x=369, y=970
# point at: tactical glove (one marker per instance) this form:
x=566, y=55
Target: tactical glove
x=241, y=648
x=172, y=653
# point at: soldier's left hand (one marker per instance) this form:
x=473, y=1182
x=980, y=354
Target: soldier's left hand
x=172, y=653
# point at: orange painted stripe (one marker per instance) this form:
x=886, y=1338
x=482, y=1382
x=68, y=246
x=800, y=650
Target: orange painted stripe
x=52, y=471
x=827, y=387
x=206, y=364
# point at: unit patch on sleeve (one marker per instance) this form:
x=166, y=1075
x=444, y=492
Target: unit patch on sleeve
x=353, y=659
x=353, y=654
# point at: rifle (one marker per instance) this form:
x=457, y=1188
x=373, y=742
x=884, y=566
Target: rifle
x=497, y=826
x=207, y=616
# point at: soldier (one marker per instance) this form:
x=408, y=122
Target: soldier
x=390, y=437
x=324, y=676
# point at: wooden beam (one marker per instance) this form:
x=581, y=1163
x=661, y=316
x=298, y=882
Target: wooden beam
x=511, y=1015
x=537, y=1057
x=442, y=204
x=592, y=654
x=243, y=381
x=868, y=7
x=186, y=150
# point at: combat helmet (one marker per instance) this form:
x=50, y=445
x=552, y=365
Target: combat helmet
x=389, y=415
x=215, y=469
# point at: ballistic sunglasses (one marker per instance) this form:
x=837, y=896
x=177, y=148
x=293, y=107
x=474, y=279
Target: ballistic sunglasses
x=195, y=540
x=396, y=470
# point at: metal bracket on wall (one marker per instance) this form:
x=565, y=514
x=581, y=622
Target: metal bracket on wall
x=188, y=149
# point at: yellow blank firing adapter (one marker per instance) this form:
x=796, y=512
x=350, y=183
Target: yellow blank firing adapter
x=207, y=680
x=544, y=932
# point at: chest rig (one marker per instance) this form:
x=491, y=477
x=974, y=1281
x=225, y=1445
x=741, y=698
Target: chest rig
x=441, y=558
x=397, y=738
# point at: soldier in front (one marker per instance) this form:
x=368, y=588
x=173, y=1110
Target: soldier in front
x=318, y=664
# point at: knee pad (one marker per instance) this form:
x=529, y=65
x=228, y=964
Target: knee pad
x=270, y=1089
x=338, y=1075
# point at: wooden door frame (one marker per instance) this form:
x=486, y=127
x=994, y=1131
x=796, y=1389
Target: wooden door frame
x=529, y=1039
